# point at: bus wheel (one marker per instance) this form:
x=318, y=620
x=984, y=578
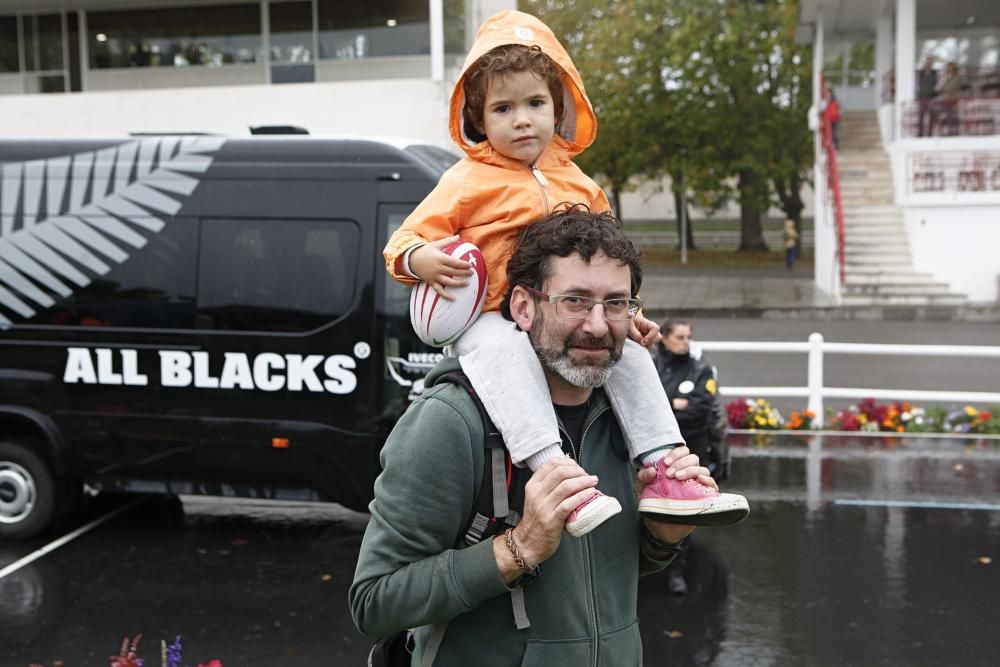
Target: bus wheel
x=28, y=491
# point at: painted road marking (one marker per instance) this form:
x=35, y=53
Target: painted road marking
x=918, y=504
x=68, y=537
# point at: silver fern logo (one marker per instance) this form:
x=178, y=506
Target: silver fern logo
x=66, y=220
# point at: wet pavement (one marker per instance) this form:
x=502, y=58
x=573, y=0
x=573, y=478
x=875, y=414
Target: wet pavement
x=858, y=552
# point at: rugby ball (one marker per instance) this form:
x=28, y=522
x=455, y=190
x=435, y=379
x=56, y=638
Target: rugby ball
x=438, y=321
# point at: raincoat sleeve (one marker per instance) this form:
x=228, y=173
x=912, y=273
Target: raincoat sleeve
x=408, y=572
x=440, y=215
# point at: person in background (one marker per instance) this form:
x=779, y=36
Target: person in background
x=831, y=109
x=691, y=387
x=927, y=81
x=791, y=238
x=949, y=93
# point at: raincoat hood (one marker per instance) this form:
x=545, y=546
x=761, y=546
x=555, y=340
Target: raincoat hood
x=578, y=128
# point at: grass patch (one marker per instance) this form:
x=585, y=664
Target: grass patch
x=724, y=259
x=705, y=224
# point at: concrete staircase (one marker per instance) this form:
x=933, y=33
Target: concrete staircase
x=878, y=266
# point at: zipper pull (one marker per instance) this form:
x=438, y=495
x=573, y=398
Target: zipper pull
x=540, y=177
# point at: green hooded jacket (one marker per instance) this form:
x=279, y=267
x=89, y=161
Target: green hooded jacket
x=409, y=575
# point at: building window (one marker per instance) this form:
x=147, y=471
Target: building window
x=292, y=42
x=43, y=42
x=454, y=27
x=175, y=37
x=354, y=30
x=8, y=44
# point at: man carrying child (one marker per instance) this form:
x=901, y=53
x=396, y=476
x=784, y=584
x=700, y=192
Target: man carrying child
x=580, y=608
x=520, y=113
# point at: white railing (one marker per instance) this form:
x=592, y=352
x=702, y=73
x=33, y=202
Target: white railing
x=815, y=391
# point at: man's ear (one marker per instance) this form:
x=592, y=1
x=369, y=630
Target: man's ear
x=522, y=308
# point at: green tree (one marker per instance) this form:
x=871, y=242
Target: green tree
x=750, y=80
x=714, y=90
x=589, y=29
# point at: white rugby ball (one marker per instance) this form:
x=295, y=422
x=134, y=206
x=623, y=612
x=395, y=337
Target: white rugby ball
x=438, y=321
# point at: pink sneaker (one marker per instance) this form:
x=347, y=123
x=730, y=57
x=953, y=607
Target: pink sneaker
x=592, y=513
x=690, y=502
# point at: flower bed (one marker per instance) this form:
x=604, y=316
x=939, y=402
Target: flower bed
x=868, y=416
x=128, y=656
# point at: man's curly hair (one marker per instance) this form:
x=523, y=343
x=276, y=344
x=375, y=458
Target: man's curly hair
x=571, y=230
x=497, y=63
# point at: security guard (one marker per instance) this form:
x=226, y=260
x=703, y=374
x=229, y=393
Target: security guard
x=689, y=383
x=691, y=388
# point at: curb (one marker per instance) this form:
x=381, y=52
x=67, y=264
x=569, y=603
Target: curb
x=964, y=313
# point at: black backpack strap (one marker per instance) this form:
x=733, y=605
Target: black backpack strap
x=501, y=493
x=492, y=508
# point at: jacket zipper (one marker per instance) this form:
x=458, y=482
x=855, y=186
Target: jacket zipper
x=588, y=561
x=542, y=184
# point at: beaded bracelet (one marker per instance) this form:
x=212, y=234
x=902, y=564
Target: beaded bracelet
x=512, y=548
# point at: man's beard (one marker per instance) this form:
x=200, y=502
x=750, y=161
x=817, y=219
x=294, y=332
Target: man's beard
x=556, y=360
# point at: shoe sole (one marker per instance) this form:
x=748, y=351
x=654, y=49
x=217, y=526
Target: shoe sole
x=598, y=514
x=724, y=510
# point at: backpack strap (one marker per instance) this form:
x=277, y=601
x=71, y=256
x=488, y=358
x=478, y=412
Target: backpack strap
x=502, y=488
x=492, y=503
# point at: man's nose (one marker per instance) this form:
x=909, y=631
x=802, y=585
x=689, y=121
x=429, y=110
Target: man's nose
x=595, y=323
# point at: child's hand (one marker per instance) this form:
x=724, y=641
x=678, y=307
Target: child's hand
x=440, y=271
x=643, y=331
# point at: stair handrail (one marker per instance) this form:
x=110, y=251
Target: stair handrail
x=833, y=182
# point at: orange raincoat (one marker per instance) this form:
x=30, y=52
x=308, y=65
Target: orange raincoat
x=488, y=198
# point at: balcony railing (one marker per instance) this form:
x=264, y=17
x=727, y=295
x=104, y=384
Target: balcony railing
x=964, y=116
x=953, y=171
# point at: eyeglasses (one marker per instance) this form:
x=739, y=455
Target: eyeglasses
x=575, y=307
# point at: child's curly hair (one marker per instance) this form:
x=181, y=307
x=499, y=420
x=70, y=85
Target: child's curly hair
x=499, y=62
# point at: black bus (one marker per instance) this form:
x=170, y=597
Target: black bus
x=201, y=315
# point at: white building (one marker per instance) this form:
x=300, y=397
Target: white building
x=376, y=67
x=382, y=67
x=919, y=176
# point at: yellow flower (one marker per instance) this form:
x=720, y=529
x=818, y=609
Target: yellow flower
x=772, y=422
x=971, y=411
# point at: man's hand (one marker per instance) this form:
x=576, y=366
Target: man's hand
x=554, y=490
x=429, y=263
x=645, y=332
x=681, y=464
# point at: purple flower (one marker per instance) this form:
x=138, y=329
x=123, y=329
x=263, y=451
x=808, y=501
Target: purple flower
x=174, y=653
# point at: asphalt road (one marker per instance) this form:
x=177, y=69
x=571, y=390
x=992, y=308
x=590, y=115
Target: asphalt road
x=855, y=553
